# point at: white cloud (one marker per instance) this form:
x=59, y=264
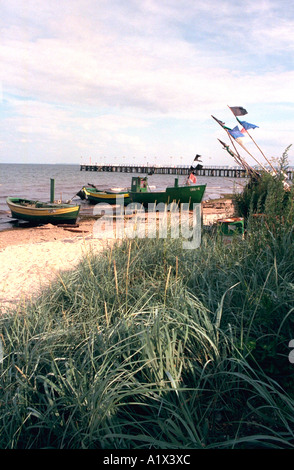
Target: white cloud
x=117, y=69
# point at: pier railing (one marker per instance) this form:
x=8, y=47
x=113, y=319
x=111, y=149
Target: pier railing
x=232, y=172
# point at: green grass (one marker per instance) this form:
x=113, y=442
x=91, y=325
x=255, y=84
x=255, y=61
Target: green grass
x=152, y=346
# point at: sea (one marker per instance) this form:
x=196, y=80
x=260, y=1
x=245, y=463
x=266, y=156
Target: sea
x=33, y=181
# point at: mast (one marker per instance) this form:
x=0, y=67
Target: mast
x=254, y=143
x=229, y=135
x=237, y=159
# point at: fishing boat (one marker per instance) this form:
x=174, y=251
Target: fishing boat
x=111, y=196
x=42, y=212
x=140, y=193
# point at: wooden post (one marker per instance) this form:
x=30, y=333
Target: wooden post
x=52, y=189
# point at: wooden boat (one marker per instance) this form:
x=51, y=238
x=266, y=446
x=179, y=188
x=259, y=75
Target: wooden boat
x=42, y=212
x=190, y=194
x=95, y=196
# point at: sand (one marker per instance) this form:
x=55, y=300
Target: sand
x=31, y=258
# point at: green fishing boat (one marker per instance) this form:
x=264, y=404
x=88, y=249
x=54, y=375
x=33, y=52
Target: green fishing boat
x=180, y=194
x=42, y=212
x=83, y=193
x=96, y=196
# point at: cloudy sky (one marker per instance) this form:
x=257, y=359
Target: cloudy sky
x=125, y=81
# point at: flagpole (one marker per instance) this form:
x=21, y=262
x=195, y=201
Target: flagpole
x=245, y=165
x=233, y=145
x=261, y=151
x=223, y=127
x=255, y=143
x=240, y=145
x=237, y=159
x=241, y=160
x=244, y=148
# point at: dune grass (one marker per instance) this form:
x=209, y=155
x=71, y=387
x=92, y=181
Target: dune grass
x=148, y=345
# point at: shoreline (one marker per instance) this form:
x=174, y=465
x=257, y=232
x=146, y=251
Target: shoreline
x=32, y=257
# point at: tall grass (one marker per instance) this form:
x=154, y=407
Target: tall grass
x=152, y=346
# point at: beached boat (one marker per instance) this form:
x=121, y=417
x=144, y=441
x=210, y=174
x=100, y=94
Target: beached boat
x=95, y=195
x=42, y=212
x=84, y=192
x=180, y=194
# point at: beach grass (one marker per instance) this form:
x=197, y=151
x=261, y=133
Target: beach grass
x=151, y=346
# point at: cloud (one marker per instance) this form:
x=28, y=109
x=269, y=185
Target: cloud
x=121, y=70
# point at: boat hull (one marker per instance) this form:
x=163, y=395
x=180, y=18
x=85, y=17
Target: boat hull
x=180, y=195
x=25, y=209
x=96, y=196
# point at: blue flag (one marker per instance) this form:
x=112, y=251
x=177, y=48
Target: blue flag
x=235, y=132
x=247, y=125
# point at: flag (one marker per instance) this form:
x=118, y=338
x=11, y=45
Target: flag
x=221, y=123
x=236, y=133
x=236, y=157
x=244, y=133
x=238, y=110
x=192, y=178
x=247, y=125
x=224, y=145
x=227, y=148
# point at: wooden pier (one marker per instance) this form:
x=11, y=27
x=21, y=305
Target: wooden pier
x=230, y=172
x=166, y=170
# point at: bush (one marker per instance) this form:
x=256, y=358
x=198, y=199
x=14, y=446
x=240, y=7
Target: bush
x=265, y=193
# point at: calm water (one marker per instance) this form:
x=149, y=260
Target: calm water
x=33, y=182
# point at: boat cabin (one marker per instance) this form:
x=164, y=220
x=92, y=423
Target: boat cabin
x=139, y=184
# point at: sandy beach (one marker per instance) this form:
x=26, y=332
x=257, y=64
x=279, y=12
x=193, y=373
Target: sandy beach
x=32, y=257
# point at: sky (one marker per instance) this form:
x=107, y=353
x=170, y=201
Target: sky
x=138, y=81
